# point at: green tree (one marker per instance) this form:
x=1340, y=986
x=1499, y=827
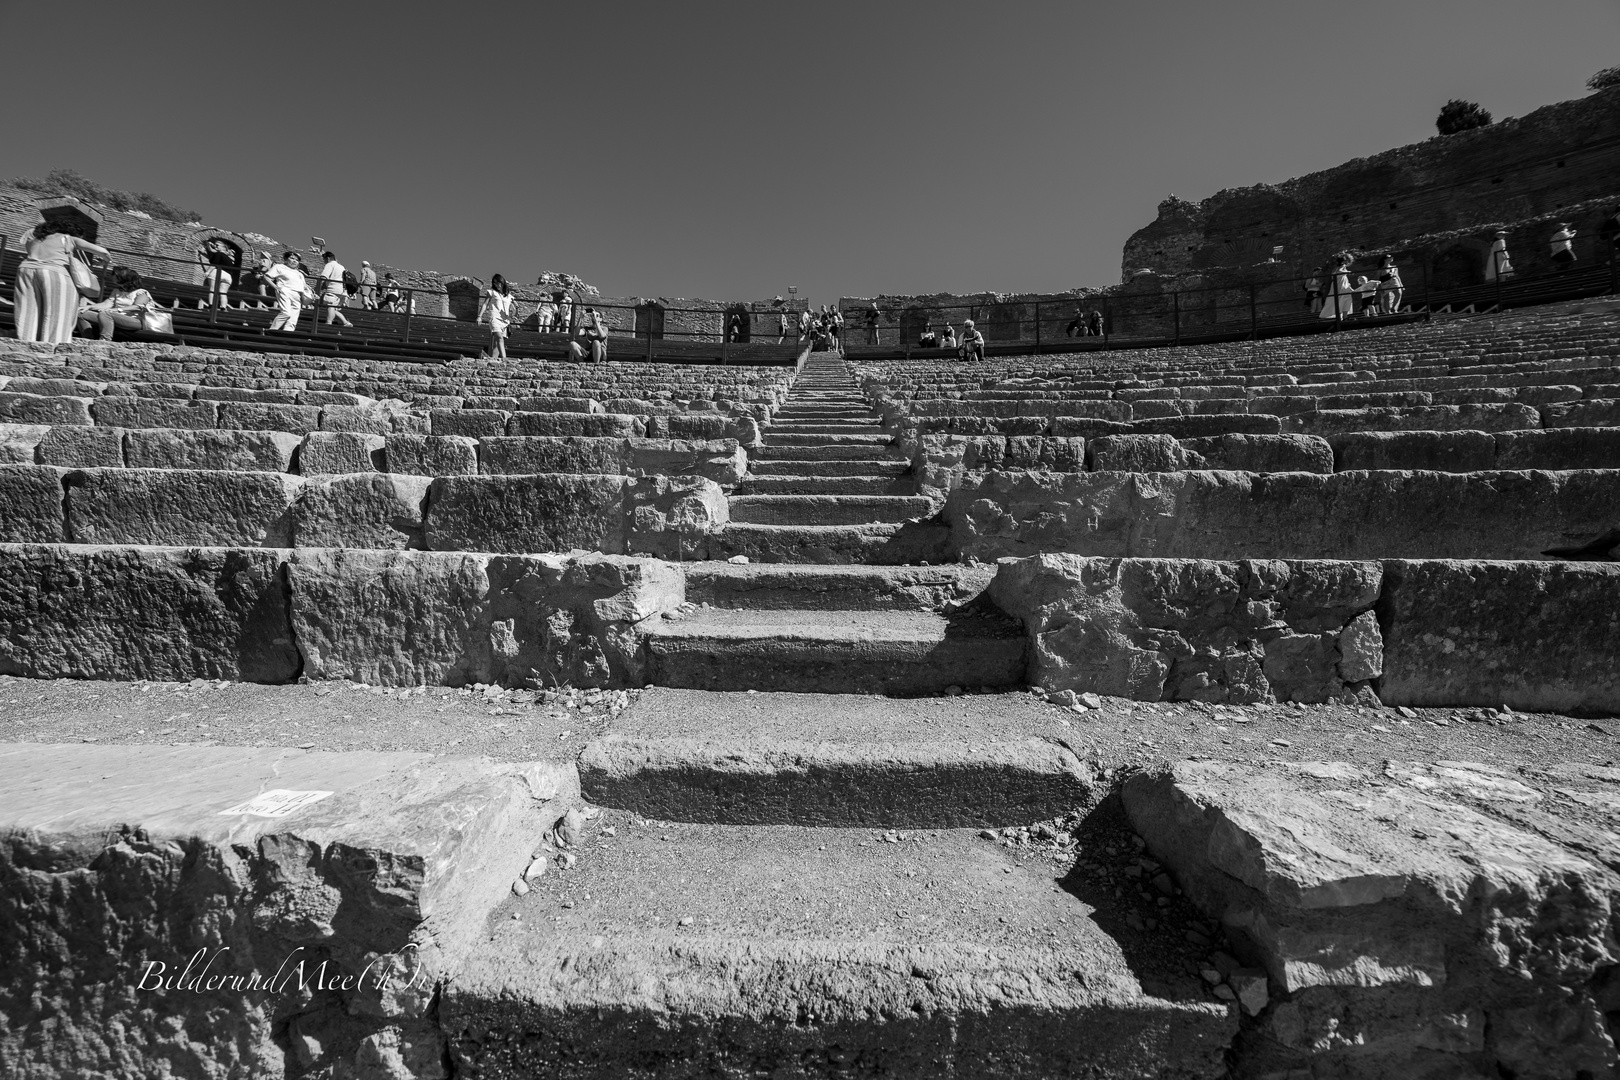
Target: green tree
x=1459, y=115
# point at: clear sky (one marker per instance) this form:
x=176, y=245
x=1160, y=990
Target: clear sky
x=729, y=150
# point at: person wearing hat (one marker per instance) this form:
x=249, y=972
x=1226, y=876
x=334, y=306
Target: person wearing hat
x=1563, y=246
x=1390, y=288
x=972, y=342
x=368, y=286
x=1497, y=263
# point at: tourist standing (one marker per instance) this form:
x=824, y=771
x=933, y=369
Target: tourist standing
x=1340, y=302
x=972, y=342
x=1497, y=263
x=496, y=313
x=782, y=324
x=872, y=324
x=47, y=301
x=1313, y=293
x=368, y=286
x=287, y=278
x=1563, y=246
x=836, y=327
x=261, y=275
x=333, y=295
x=1609, y=234
x=216, y=281
x=1390, y=288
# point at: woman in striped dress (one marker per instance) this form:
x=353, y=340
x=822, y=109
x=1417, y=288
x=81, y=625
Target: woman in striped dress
x=47, y=301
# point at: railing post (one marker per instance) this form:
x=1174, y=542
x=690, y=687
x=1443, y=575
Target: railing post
x=1037, y=326
x=1497, y=274
x=410, y=302
x=1176, y=313
x=725, y=353
x=1254, y=316
x=649, y=333
x=1108, y=321
x=1428, y=300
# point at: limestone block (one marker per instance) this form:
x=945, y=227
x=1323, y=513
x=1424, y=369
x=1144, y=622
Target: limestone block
x=333, y=397
x=344, y=885
x=473, y=423
x=178, y=391
x=1596, y=412
x=1440, y=451
x=589, y=425
x=140, y=412
x=250, y=395
x=547, y=403
x=745, y=429
x=1024, y=513
x=159, y=506
x=1260, y=453
x=1282, y=404
x=323, y=452
x=31, y=504
x=1346, y=888
x=1510, y=417
x=498, y=402
x=247, y=416
x=1135, y=453
x=720, y=460
x=1155, y=408
x=1538, y=636
x=691, y=426
x=232, y=451
x=1049, y=452
x=19, y=408
x=362, y=510
x=672, y=517
x=432, y=455
x=518, y=455
x=18, y=443
x=518, y=514
x=143, y=613
x=1186, y=629
x=82, y=447
x=1559, y=448
x=412, y=423
x=356, y=418
x=23, y=384
x=390, y=618
x=1546, y=395
x=1233, y=515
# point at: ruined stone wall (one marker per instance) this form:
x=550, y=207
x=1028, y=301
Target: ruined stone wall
x=998, y=316
x=1522, y=168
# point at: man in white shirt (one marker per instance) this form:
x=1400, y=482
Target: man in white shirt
x=333, y=295
x=291, y=287
x=1563, y=246
x=368, y=286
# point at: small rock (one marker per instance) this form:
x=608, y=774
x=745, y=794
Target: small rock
x=1091, y=701
x=1225, y=993
x=567, y=860
x=735, y=560
x=520, y=887
x=1163, y=883
x=1404, y=711
x=1134, y=921
x=990, y=834
x=1063, y=698
x=567, y=903
x=570, y=828
x=1210, y=975
x=609, y=830
x=537, y=869
x=688, y=920
x=1252, y=991
x=953, y=691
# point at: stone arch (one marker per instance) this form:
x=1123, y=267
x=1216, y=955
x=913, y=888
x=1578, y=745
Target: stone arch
x=739, y=324
x=81, y=219
x=229, y=250
x=462, y=297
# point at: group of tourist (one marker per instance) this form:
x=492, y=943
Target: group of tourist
x=969, y=345
x=823, y=329
x=1331, y=294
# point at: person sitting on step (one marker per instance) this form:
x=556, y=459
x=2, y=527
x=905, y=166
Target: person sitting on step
x=972, y=342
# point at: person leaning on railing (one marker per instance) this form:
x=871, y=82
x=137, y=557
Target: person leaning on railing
x=121, y=309
x=47, y=301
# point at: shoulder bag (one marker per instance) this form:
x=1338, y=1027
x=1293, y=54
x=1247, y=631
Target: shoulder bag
x=84, y=279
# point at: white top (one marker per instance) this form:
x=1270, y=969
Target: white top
x=1561, y=240
x=497, y=310
x=289, y=283
x=332, y=277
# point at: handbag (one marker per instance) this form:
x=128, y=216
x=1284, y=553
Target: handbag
x=84, y=279
x=157, y=321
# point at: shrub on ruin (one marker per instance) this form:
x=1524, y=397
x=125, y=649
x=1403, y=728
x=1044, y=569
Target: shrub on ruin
x=68, y=182
x=1604, y=79
x=1459, y=115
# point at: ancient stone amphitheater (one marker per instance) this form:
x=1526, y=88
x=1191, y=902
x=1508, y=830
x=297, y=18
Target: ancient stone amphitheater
x=1238, y=709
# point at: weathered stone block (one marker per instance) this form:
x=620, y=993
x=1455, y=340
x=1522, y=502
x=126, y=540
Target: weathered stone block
x=589, y=425
x=158, y=506
x=54, y=409
x=1596, y=412
x=1260, y=453
x=140, y=412
x=690, y=426
x=31, y=504
x=144, y=613
x=673, y=516
x=1537, y=636
x=547, y=403
x=1559, y=448
x=432, y=455
x=19, y=442
x=368, y=419
x=518, y=514
x=230, y=451
x=247, y=394
x=82, y=447
x=720, y=460
x=1135, y=453
x=362, y=510
x=1439, y=451
x=248, y=416
x=518, y=455
x=1184, y=629
x=472, y=423
x=341, y=452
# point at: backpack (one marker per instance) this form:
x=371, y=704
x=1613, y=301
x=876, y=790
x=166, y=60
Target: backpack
x=351, y=284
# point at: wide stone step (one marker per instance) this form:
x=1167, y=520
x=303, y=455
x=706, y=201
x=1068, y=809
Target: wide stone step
x=876, y=545
x=827, y=509
x=780, y=428
x=850, y=438
x=854, y=467
x=825, y=485
x=861, y=451
x=817, y=953
x=847, y=587
x=892, y=652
